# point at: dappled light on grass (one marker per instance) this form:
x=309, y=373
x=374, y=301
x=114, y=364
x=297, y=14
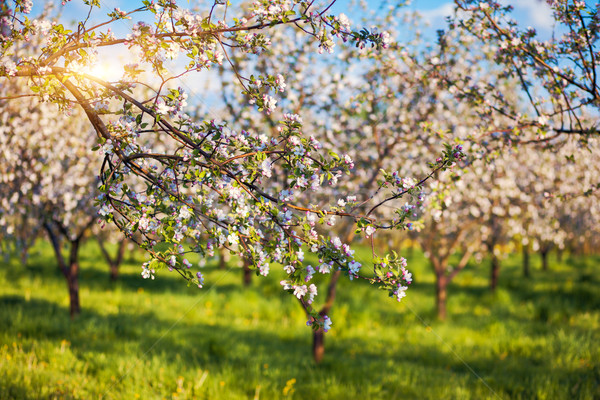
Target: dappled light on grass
x=532, y=338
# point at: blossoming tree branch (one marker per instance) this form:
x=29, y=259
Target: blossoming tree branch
x=186, y=185
x=558, y=76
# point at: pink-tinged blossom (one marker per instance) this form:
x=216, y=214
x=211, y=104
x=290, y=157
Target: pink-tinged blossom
x=369, y=230
x=265, y=168
x=344, y=22
x=10, y=68
x=336, y=242
x=286, y=195
x=348, y=161
x=406, y=275
x=107, y=147
x=301, y=182
x=401, y=292
x=286, y=285
x=354, y=267
x=315, y=143
x=334, y=179
x=105, y=210
x=314, y=182
x=270, y=103
x=184, y=213
x=26, y=6
x=386, y=39
x=278, y=254
x=163, y=109
x=263, y=269
x=300, y=291
x=327, y=323
x=312, y=292
x=186, y=263
x=232, y=238
x=326, y=45
x=325, y=268
x=310, y=271
x=289, y=269
x=200, y=279
x=292, y=118
x=280, y=82
x=347, y=250
x=147, y=272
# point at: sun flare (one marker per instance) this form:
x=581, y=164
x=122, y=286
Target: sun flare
x=108, y=70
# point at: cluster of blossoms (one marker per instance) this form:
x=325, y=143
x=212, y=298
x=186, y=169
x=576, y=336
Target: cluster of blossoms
x=216, y=206
x=175, y=184
x=560, y=67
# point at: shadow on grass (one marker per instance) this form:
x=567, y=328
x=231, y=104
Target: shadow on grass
x=97, y=277
x=218, y=347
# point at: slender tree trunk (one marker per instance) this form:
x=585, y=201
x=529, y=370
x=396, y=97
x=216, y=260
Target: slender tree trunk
x=526, y=272
x=23, y=256
x=559, y=255
x=247, y=277
x=73, y=278
x=73, y=285
x=222, y=263
x=113, y=264
x=114, y=272
x=544, y=254
x=70, y=270
x=318, y=345
x=318, y=335
x=571, y=248
x=441, y=294
x=495, y=273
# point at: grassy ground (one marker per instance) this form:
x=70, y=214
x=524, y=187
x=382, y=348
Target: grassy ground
x=533, y=339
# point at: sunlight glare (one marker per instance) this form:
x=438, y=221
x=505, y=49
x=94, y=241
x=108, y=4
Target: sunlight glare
x=108, y=70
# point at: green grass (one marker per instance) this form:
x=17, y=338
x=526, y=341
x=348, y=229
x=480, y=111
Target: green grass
x=533, y=339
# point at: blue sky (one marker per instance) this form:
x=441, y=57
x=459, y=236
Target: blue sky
x=533, y=13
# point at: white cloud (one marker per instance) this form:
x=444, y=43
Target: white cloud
x=437, y=15
x=538, y=13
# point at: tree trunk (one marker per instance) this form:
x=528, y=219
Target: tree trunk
x=441, y=294
x=70, y=271
x=495, y=273
x=222, y=263
x=544, y=255
x=247, y=277
x=113, y=264
x=73, y=285
x=114, y=272
x=73, y=278
x=23, y=255
x=319, y=335
x=318, y=345
x=526, y=272
x=559, y=255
